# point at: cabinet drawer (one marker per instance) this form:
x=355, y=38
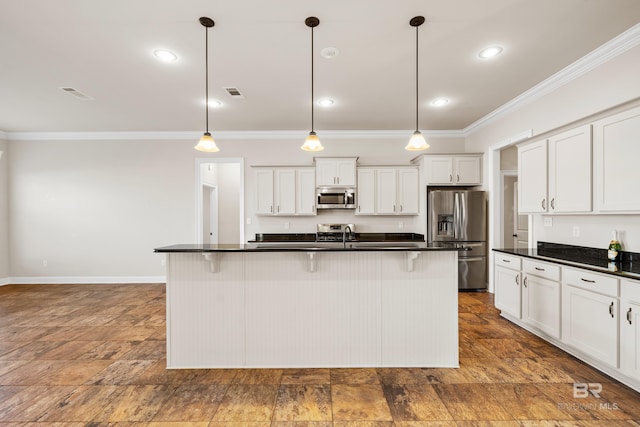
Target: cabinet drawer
x=508, y=261
x=594, y=282
x=541, y=269
x=630, y=290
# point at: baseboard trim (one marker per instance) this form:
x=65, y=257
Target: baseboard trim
x=58, y=280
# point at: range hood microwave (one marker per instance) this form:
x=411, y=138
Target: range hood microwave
x=336, y=198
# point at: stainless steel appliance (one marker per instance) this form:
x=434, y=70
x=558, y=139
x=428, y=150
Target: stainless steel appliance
x=336, y=198
x=335, y=232
x=459, y=218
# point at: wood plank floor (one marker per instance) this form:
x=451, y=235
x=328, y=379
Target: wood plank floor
x=93, y=355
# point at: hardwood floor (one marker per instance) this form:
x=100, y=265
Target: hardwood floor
x=93, y=355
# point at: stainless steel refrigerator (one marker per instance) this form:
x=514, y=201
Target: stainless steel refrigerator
x=459, y=218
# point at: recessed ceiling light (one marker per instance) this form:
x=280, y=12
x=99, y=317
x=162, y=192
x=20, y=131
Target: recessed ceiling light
x=439, y=102
x=329, y=52
x=325, y=102
x=490, y=52
x=165, y=55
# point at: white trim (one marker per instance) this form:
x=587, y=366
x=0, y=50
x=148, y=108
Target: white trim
x=223, y=135
x=54, y=280
x=614, y=47
x=5, y=281
x=4, y=135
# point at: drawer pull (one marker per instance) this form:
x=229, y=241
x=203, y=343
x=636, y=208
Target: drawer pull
x=629, y=315
x=525, y=282
x=539, y=269
x=505, y=260
x=587, y=280
x=611, y=309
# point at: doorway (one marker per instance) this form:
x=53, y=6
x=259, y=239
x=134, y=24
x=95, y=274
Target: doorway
x=515, y=227
x=220, y=200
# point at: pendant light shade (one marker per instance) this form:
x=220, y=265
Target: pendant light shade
x=312, y=143
x=417, y=141
x=206, y=143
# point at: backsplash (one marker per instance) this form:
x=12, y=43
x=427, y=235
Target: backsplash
x=595, y=255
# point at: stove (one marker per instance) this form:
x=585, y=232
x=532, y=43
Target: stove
x=335, y=232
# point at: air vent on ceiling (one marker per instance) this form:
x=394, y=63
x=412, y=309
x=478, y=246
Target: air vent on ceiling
x=234, y=92
x=76, y=93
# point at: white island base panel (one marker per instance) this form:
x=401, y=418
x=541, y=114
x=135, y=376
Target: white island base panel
x=355, y=309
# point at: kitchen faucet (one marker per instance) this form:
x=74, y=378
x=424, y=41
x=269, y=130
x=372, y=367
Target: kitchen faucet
x=344, y=235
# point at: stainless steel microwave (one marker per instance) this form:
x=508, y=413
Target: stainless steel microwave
x=336, y=198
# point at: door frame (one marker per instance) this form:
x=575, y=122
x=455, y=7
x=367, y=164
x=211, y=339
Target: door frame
x=212, y=196
x=198, y=189
x=503, y=174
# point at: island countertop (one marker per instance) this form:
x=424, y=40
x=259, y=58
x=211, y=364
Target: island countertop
x=306, y=247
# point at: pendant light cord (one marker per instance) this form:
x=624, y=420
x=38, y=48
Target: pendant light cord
x=312, y=129
x=417, y=78
x=206, y=72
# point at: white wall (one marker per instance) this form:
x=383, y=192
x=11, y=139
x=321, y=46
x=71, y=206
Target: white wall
x=608, y=86
x=4, y=213
x=94, y=210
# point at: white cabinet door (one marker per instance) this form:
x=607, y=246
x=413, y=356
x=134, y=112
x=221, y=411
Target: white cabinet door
x=467, y=170
x=366, y=195
x=439, y=170
x=630, y=328
x=306, y=191
x=507, y=291
x=570, y=171
x=408, y=191
x=590, y=323
x=346, y=172
x=264, y=191
x=532, y=177
x=285, y=201
x=541, y=304
x=334, y=172
x=386, y=191
x=616, y=154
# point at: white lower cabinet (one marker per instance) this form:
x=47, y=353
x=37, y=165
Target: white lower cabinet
x=630, y=328
x=590, y=308
x=541, y=296
x=508, y=297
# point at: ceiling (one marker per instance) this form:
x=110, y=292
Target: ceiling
x=104, y=49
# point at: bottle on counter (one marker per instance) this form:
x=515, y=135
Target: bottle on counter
x=614, y=248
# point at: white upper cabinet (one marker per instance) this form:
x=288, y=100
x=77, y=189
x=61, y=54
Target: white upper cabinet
x=453, y=169
x=335, y=171
x=285, y=191
x=532, y=177
x=387, y=191
x=570, y=171
x=616, y=141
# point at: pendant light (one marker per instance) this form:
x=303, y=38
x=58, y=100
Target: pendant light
x=206, y=143
x=417, y=141
x=312, y=143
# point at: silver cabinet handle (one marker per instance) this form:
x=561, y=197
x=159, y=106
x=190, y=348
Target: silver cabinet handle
x=458, y=177
x=539, y=269
x=544, y=205
x=400, y=208
x=278, y=208
x=525, y=282
x=553, y=203
x=271, y=208
x=611, y=309
x=517, y=279
x=505, y=260
x=587, y=280
x=394, y=208
x=629, y=315
x=450, y=178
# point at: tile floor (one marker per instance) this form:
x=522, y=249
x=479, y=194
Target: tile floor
x=93, y=355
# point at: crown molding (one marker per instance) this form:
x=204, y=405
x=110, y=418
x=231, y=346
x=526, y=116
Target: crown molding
x=614, y=47
x=223, y=135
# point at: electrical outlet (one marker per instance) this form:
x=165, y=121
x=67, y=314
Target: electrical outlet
x=45, y=262
x=576, y=231
x=163, y=262
x=249, y=221
x=548, y=221
x=401, y=225
x=286, y=225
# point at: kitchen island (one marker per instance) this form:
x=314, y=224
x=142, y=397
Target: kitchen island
x=311, y=305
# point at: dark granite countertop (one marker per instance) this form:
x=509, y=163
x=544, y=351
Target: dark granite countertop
x=358, y=237
x=302, y=247
x=593, y=259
